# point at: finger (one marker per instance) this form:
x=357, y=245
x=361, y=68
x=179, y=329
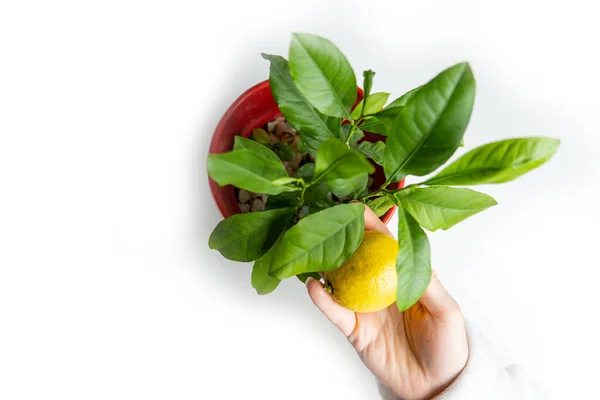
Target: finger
x=344, y=319
x=437, y=300
x=373, y=223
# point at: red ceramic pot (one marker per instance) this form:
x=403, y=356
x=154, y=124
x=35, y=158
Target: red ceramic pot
x=253, y=109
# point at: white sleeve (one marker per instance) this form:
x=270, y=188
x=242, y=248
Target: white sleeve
x=483, y=378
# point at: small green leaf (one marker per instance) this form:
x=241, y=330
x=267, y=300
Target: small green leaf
x=283, y=200
x=413, y=262
x=322, y=74
x=304, y=277
x=375, y=103
x=246, y=237
x=320, y=241
x=380, y=205
x=284, y=151
x=383, y=122
x=261, y=136
x=263, y=151
x=317, y=193
x=353, y=187
x=441, y=206
x=344, y=132
x=431, y=125
x=356, y=136
x=336, y=161
x=299, y=113
x=306, y=172
x=247, y=170
x=401, y=101
x=497, y=162
x=285, y=180
x=367, y=82
x=372, y=150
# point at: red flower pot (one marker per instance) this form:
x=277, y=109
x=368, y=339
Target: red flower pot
x=253, y=109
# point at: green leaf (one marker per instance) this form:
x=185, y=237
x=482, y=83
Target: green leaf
x=344, y=132
x=317, y=193
x=372, y=150
x=304, y=277
x=246, y=237
x=367, y=82
x=284, y=151
x=380, y=205
x=247, y=170
x=322, y=74
x=383, y=122
x=320, y=241
x=261, y=136
x=413, y=262
x=285, y=180
x=299, y=113
x=353, y=187
x=375, y=103
x=497, y=162
x=283, y=200
x=401, y=101
x=441, y=206
x=319, y=206
x=260, y=279
x=306, y=172
x=431, y=125
x=356, y=136
x=240, y=142
x=336, y=161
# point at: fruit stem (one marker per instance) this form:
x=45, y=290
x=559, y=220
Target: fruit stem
x=328, y=287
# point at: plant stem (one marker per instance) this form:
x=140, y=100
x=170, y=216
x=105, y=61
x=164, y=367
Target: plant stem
x=352, y=130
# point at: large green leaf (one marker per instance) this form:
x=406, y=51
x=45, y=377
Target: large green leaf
x=261, y=281
x=322, y=74
x=401, y=101
x=372, y=150
x=497, y=162
x=431, y=124
x=304, y=277
x=247, y=170
x=336, y=161
x=441, y=206
x=374, y=103
x=413, y=262
x=246, y=237
x=320, y=241
x=299, y=113
x=240, y=142
x=380, y=205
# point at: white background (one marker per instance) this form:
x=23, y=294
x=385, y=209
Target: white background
x=107, y=286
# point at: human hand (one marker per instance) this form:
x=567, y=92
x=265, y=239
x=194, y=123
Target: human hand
x=416, y=353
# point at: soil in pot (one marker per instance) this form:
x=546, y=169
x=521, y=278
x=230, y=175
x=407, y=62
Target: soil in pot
x=284, y=141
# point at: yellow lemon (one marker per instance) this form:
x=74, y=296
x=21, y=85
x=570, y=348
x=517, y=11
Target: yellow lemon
x=367, y=281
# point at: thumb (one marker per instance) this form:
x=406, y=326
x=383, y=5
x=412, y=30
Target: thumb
x=437, y=300
x=341, y=317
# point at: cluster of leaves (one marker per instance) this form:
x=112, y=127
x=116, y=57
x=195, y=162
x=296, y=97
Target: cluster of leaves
x=420, y=131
